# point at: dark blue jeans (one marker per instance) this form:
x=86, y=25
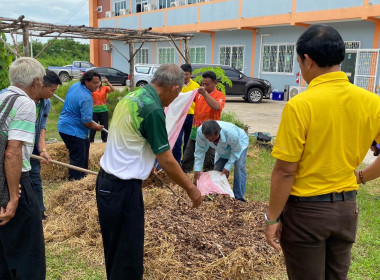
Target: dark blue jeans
x=35, y=176
x=78, y=151
x=121, y=217
x=185, y=132
x=240, y=174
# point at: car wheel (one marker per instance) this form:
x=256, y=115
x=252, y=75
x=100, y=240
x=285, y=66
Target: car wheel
x=64, y=77
x=254, y=95
x=141, y=84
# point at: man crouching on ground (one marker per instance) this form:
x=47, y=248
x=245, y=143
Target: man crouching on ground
x=136, y=137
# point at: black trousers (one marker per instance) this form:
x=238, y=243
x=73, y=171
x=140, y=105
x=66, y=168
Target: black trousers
x=121, y=216
x=79, y=150
x=188, y=158
x=22, y=247
x=317, y=238
x=102, y=119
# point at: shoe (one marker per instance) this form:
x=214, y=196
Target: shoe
x=43, y=216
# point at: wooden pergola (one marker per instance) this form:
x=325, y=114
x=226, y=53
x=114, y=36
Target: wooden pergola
x=46, y=30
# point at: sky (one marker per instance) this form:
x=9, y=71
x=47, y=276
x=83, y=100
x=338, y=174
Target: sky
x=63, y=12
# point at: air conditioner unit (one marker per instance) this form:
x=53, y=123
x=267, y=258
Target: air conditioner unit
x=124, y=12
x=106, y=47
x=99, y=9
x=203, y=1
x=148, y=7
x=174, y=4
x=110, y=14
x=293, y=91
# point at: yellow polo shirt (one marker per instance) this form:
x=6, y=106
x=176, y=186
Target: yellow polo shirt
x=189, y=87
x=328, y=129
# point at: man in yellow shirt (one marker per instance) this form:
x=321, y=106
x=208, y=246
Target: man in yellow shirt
x=312, y=207
x=186, y=128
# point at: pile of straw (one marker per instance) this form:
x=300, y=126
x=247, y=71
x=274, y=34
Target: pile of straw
x=222, y=239
x=59, y=152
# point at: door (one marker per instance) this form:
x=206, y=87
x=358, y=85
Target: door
x=238, y=82
x=348, y=65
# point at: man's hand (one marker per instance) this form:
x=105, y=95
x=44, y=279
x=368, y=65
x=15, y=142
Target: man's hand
x=46, y=157
x=197, y=174
x=99, y=127
x=272, y=232
x=195, y=196
x=9, y=212
x=226, y=172
x=202, y=91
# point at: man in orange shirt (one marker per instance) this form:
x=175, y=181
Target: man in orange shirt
x=100, y=110
x=209, y=103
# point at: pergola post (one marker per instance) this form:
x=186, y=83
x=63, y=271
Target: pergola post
x=131, y=66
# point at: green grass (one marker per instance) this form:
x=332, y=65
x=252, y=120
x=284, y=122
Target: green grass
x=63, y=263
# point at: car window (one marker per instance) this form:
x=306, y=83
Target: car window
x=142, y=69
x=112, y=71
x=86, y=65
x=76, y=64
x=154, y=70
x=231, y=73
x=101, y=71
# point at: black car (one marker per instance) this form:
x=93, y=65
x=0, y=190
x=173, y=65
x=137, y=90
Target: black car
x=253, y=90
x=113, y=75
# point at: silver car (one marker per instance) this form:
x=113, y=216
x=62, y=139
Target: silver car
x=144, y=74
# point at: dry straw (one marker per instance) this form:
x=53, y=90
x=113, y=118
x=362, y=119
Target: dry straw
x=222, y=239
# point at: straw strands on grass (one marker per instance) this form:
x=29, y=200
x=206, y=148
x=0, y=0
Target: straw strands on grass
x=222, y=239
x=59, y=152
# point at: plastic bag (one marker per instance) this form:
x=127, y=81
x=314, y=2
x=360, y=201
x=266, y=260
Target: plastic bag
x=214, y=182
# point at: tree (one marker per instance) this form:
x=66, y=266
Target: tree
x=220, y=76
x=6, y=58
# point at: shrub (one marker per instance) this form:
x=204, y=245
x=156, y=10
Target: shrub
x=220, y=77
x=232, y=118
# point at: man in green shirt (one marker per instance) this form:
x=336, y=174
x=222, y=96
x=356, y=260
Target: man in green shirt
x=137, y=135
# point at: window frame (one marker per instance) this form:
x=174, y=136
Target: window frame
x=230, y=64
x=139, y=56
x=198, y=47
x=278, y=45
x=117, y=11
x=161, y=48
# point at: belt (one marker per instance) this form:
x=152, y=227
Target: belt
x=24, y=174
x=325, y=197
x=109, y=176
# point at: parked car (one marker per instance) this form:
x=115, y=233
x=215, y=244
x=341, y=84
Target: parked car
x=68, y=72
x=253, y=90
x=144, y=74
x=113, y=75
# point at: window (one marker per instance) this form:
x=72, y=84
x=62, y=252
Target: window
x=231, y=73
x=120, y=5
x=142, y=69
x=352, y=45
x=232, y=56
x=278, y=58
x=140, y=5
x=166, y=55
x=198, y=55
x=86, y=65
x=112, y=71
x=163, y=4
x=141, y=56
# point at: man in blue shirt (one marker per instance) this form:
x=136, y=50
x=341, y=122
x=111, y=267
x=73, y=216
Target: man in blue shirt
x=231, y=145
x=75, y=121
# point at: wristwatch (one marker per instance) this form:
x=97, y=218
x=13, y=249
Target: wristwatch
x=270, y=222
